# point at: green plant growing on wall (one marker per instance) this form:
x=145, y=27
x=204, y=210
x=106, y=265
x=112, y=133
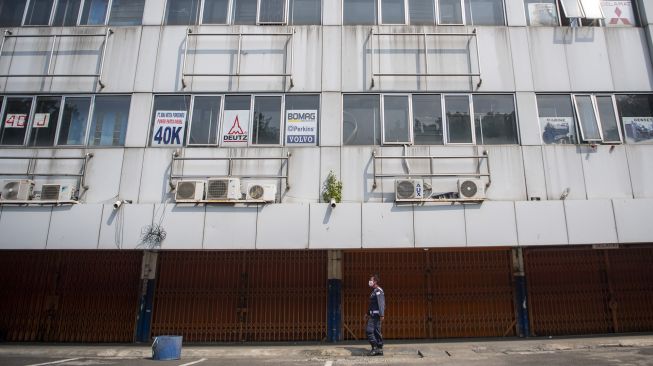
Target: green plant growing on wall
x=332, y=188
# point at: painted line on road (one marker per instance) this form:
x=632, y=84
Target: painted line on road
x=194, y=362
x=328, y=363
x=54, y=362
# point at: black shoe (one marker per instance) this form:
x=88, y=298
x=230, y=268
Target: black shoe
x=373, y=352
x=379, y=352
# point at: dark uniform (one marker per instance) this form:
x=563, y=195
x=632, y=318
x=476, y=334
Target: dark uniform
x=375, y=311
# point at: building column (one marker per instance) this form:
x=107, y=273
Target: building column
x=148, y=284
x=334, y=302
x=521, y=304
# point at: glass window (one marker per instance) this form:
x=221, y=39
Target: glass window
x=182, y=12
x=395, y=119
x=557, y=120
x=14, y=120
x=109, y=125
x=272, y=11
x=67, y=12
x=484, y=12
x=360, y=120
x=589, y=124
x=459, y=123
x=571, y=8
x=427, y=119
x=304, y=12
x=609, y=124
x=126, y=12
x=359, y=12
x=393, y=12
x=421, y=12
x=74, y=121
x=94, y=12
x=541, y=12
x=205, y=120
x=302, y=115
x=44, y=123
x=38, y=12
x=636, y=113
x=451, y=11
x=215, y=11
x=494, y=118
x=11, y=12
x=267, y=120
x=169, y=111
x=244, y=11
x=592, y=9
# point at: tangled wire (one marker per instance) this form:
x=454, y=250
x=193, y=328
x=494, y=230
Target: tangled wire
x=152, y=236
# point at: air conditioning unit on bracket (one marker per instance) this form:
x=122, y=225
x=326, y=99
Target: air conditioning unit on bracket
x=409, y=189
x=58, y=192
x=189, y=191
x=17, y=190
x=472, y=189
x=265, y=192
x=223, y=189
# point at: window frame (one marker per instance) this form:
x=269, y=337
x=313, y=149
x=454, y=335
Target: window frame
x=50, y=19
x=53, y=13
x=91, y=109
x=445, y=124
x=598, y=117
x=463, y=13
x=528, y=17
x=189, y=120
x=379, y=7
x=282, y=124
x=200, y=14
x=409, y=100
x=258, y=14
x=514, y=104
x=580, y=121
x=28, y=123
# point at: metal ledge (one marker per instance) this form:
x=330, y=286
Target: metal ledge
x=442, y=200
x=38, y=202
x=222, y=201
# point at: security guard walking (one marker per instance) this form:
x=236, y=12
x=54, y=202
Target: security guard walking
x=375, y=315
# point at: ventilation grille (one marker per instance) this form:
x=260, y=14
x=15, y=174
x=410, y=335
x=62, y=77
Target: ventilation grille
x=186, y=190
x=50, y=192
x=256, y=191
x=468, y=188
x=217, y=189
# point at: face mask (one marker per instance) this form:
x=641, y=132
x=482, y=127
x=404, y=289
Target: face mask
x=370, y=283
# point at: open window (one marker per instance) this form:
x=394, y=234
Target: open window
x=582, y=12
x=597, y=118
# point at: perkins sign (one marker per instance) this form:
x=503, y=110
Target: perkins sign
x=301, y=127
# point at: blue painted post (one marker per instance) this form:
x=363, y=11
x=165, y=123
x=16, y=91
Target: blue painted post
x=521, y=303
x=334, y=301
x=145, y=312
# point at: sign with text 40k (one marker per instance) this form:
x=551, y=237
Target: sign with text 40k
x=301, y=127
x=169, y=128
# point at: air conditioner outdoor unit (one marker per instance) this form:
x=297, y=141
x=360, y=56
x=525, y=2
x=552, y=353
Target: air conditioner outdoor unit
x=17, y=190
x=265, y=192
x=57, y=192
x=189, y=191
x=471, y=188
x=223, y=189
x=406, y=189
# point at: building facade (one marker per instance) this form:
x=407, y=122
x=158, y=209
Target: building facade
x=164, y=164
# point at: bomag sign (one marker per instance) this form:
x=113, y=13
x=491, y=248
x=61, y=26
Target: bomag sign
x=301, y=127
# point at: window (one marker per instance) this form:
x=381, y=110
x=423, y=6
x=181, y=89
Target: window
x=236, y=117
x=169, y=115
x=302, y=114
x=67, y=12
x=244, y=11
x=126, y=12
x=11, y=12
x=597, y=118
x=272, y=12
x=541, y=12
x=303, y=12
x=636, y=113
x=359, y=12
x=396, y=126
x=361, y=120
x=44, y=122
x=421, y=12
x=608, y=118
x=458, y=119
x=14, y=120
x=205, y=120
x=557, y=121
x=451, y=11
x=38, y=12
x=494, y=119
x=74, y=120
x=94, y=12
x=484, y=12
x=109, y=124
x=215, y=11
x=182, y=12
x=393, y=12
x=267, y=120
x=427, y=119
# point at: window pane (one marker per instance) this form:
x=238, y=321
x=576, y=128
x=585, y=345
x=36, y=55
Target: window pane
x=494, y=118
x=94, y=12
x=44, y=124
x=427, y=119
x=395, y=119
x=126, y=12
x=110, y=115
x=74, y=121
x=14, y=121
x=204, y=125
x=215, y=11
x=267, y=120
x=359, y=12
x=302, y=129
x=392, y=12
x=169, y=103
x=360, y=120
x=636, y=113
x=182, y=12
x=557, y=119
x=38, y=12
x=592, y=9
x=306, y=12
x=609, y=125
x=571, y=8
x=588, y=124
x=67, y=12
x=11, y=12
x=237, y=102
x=450, y=12
x=272, y=11
x=421, y=12
x=459, y=126
x=244, y=11
x=541, y=12
x=484, y=12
